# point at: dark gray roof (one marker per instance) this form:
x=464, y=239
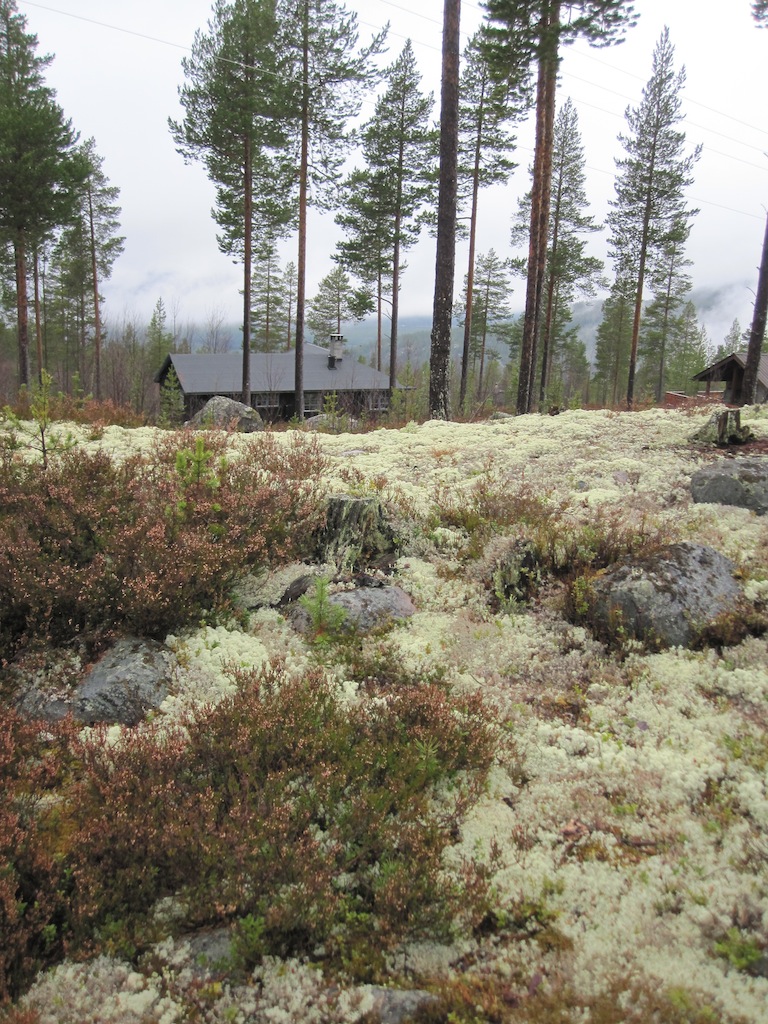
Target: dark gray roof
x=715, y=371
x=221, y=373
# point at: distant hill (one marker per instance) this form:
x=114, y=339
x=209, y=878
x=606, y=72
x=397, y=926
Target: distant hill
x=717, y=308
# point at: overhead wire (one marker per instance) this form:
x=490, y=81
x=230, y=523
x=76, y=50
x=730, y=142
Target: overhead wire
x=391, y=3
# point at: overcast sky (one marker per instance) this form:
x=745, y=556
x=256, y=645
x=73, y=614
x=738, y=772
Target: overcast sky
x=117, y=69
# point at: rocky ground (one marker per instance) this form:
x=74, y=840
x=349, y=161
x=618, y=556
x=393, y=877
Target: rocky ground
x=624, y=830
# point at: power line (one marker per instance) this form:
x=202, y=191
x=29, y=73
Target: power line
x=408, y=10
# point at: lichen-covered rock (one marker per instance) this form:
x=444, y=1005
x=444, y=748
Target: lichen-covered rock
x=740, y=482
x=667, y=598
x=227, y=413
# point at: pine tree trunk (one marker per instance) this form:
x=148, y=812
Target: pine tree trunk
x=395, y=306
x=38, y=320
x=445, y=260
x=757, y=331
x=245, y=396
x=96, y=302
x=22, y=313
x=301, y=271
x=540, y=199
x=471, y=258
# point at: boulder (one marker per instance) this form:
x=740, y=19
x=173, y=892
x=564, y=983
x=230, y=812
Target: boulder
x=371, y=606
x=228, y=414
x=742, y=482
x=331, y=423
x=667, y=598
x=127, y=682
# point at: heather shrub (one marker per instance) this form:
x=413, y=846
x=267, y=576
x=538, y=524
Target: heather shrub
x=78, y=408
x=313, y=821
x=520, y=539
x=149, y=544
x=32, y=903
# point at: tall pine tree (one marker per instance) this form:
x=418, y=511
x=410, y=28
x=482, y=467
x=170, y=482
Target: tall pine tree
x=670, y=285
x=330, y=74
x=486, y=109
x=614, y=340
x=369, y=239
x=236, y=100
x=445, y=255
x=398, y=145
x=40, y=169
x=569, y=269
x=520, y=34
x=649, y=210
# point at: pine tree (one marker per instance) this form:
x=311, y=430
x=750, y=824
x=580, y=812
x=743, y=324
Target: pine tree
x=40, y=169
x=370, y=240
x=671, y=286
x=569, y=270
x=734, y=341
x=486, y=109
x=336, y=303
x=614, y=339
x=649, y=210
x=491, y=315
x=268, y=317
x=331, y=75
x=521, y=33
x=690, y=351
x=398, y=146
x=236, y=100
x=288, y=296
x=445, y=257
x=159, y=338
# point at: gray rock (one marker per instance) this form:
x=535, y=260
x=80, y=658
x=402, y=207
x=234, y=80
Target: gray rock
x=370, y=608
x=129, y=680
x=367, y=608
x=742, y=482
x=331, y=423
x=667, y=598
x=229, y=414
x=394, y=1005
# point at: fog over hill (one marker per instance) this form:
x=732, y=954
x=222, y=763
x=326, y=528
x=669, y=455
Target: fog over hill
x=717, y=308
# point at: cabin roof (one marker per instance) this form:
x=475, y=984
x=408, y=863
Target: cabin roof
x=202, y=373
x=719, y=370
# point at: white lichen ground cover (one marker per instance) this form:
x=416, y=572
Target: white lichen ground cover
x=633, y=816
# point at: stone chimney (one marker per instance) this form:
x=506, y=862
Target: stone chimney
x=334, y=351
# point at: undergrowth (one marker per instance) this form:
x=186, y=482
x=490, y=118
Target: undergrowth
x=91, y=546
x=310, y=824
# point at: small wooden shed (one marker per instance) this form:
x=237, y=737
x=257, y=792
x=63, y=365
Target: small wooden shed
x=731, y=370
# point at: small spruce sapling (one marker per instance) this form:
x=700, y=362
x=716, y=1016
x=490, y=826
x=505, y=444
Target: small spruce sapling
x=326, y=618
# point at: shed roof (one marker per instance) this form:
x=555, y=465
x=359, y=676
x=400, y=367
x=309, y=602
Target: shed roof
x=273, y=372
x=717, y=371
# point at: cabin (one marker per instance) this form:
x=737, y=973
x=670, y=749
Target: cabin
x=358, y=388
x=731, y=370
